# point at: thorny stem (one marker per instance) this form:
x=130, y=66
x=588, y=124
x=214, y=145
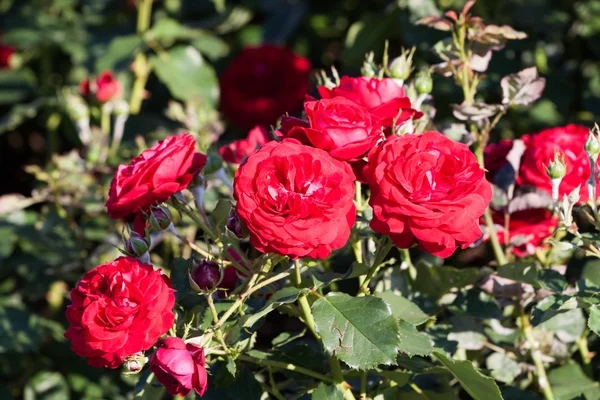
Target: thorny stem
x=287, y=366
x=540, y=370
x=141, y=62
x=215, y=315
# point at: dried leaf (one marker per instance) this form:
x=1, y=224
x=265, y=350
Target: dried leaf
x=439, y=23
x=475, y=112
x=524, y=87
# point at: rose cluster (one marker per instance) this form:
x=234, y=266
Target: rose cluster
x=530, y=226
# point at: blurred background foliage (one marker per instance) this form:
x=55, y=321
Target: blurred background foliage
x=45, y=249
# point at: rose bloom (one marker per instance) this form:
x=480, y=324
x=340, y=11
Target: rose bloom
x=527, y=229
x=106, y=87
x=179, y=367
x=117, y=310
x=154, y=176
x=235, y=152
x=429, y=190
x=384, y=98
x=263, y=83
x=541, y=147
x=6, y=53
x=295, y=200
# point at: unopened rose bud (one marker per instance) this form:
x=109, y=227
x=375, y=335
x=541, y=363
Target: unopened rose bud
x=160, y=218
x=134, y=363
x=235, y=227
x=592, y=146
x=557, y=169
x=205, y=276
x=369, y=68
x=401, y=67
x=423, y=82
x=136, y=245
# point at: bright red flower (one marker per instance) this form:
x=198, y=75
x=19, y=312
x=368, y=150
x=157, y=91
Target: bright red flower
x=263, y=83
x=527, y=229
x=180, y=367
x=295, y=200
x=154, y=176
x=117, y=310
x=541, y=147
x=106, y=87
x=6, y=53
x=235, y=152
x=384, y=98
x=429, y=190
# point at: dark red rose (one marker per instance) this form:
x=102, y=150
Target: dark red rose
x=154, y=176
x=295, y=200
x=293, y=128
x=527, y=229
x=180, y=367
x=117, y=310
x=235, y=152
x=384, y=98
x=6, y=53
x=206, y=275
x=541, y=147
x=429, y=190
x=495, y=157
x=263, y=83
x=346, y=130
x=106, y=87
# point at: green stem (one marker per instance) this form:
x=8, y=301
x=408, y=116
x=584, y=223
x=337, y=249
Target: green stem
x=498, y=252
x=540, y=370
x=215, y=315
x=142, y=69
x=412, y=271
x=383, y=252
x=287, y=366
x=363, y=385
x=582, y=345
x=303, y=302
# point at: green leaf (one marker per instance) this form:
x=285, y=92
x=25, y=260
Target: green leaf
x=479, y=386
x=15, y=86
x=403, y=308
x=361, y=331
x=120, y=53
x=219, y=215
x=552, y=280
x=187, y=75
x=327, y=392
x=48, y=386
x=594, y=319
x=413, y=342
x=569, y=381
x=323, y=279
x=504, y=368
x=211, y=46
x=223, y=386
x=283, y=296
x=437, y=281
x=520, y=272
x=568, y=326
x=179, y=277
x=169, y=29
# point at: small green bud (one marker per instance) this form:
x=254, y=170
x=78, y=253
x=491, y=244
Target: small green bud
x=402, y=66
x=369, y=68
x=136, y=245
x=557, y=169
x=160, y=218
x=423, y=82
x=133, y=364
x=592, y=146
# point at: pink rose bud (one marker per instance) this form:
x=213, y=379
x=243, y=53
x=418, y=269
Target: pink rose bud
x=206, y=276
x=134, y=363
x=160, y=218
x=179, y=367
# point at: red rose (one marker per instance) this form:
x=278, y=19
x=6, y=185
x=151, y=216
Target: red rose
x=427, y=189
x=295, y=200
x=119, y=309
x=6, y=53
x=384, y=98
x=106, y=87
x=343, y=128
x=527, y=229
x=155, y=175
x=293, y=128
x=179, y=367
x=235, y=152
x=263, y=83
x=568, y=140
x=495, y=157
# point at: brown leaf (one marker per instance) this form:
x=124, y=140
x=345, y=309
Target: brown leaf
x=523, y=88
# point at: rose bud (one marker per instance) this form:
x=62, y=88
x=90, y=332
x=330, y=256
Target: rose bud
x=136, y=245
x=401, y=67
x=423, y=82
x=206, y=276
x=235, y=227
x=160, y=218
x=179, y=367
x=134, y=363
